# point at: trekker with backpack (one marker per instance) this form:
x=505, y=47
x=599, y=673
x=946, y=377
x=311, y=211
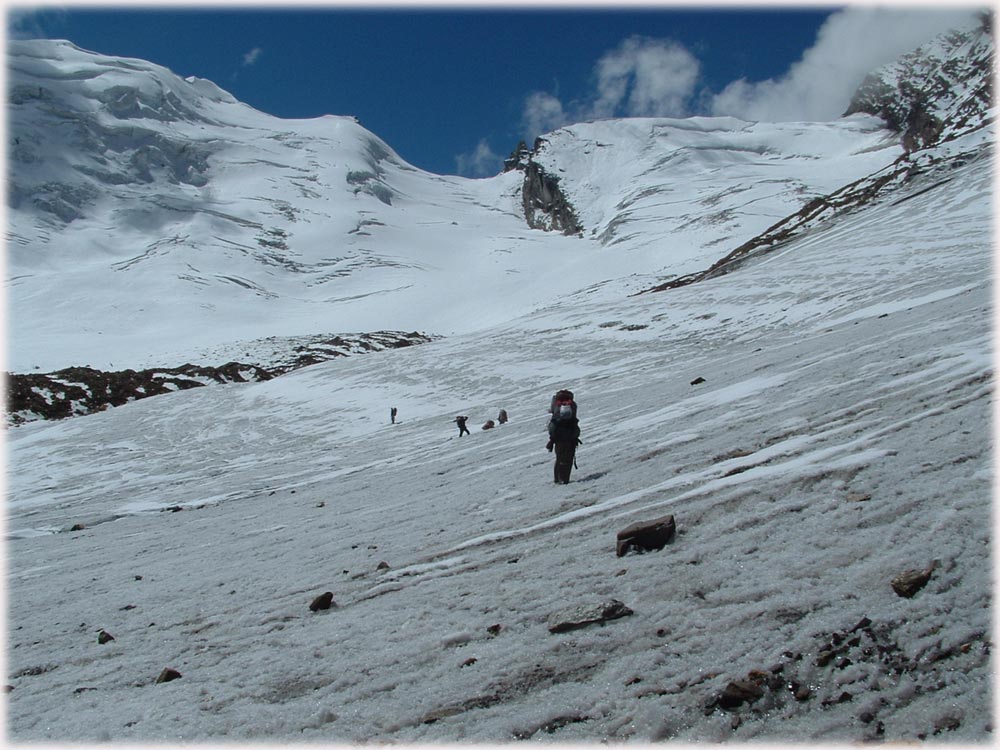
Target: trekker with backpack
x=564, y=434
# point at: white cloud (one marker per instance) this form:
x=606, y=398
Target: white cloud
x=482, y=162
x=641, y=77
x=26, y=24
x=542, y=113
x=252, y=56
x=645, y=78
x=852, y=43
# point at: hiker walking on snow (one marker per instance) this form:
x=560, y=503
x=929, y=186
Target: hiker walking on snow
x=502, y=417
x=564, y=434
x=462, y=429
x=392, y=414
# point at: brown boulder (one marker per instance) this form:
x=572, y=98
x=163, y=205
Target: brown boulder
x=646, y=536
x=323, y=601
x=909, y=582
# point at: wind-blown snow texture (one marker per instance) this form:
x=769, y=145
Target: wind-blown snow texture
x=840, y=436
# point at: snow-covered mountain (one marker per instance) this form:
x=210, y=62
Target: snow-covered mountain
x=205, y=222
x=816, y=419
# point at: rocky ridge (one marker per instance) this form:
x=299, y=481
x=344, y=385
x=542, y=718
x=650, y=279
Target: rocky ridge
x=78, y=391
x=932, y=97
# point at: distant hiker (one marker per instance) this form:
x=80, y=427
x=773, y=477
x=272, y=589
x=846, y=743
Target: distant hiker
x=502, y=417
x=392, y=414
x=564, y=434
x=462, y=429
x=490, y=424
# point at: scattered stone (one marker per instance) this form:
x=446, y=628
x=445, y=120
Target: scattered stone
x=550, y=727
x=382, y=566
x=646, y=536
x=858, y=497
x=801, y=693
x=909, y=582
x=104, y=637
x=34, y=671
x=578, y=617
x=138, y=578
x=77, y=527
x=698, y=381
x=738, y=692
x=167, y=675
x=947, y=723
x=440, y=713
x=470, y=661
x=323, y=601
x=494, y=630
x=844, y=697
x=8, y=688
x=127, y=607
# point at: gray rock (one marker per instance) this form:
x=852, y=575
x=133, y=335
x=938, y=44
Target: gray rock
x=587, y=614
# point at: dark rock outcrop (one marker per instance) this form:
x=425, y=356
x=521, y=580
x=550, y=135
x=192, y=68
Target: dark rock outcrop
x=545, y=206
x=77, y=391
x=936, y=91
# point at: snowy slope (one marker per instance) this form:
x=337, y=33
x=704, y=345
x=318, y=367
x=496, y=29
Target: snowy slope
x=687, y=191
x=203, y=222
x=840, y=437
x=817, y=421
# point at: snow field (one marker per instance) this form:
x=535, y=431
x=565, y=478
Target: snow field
x=840, y=436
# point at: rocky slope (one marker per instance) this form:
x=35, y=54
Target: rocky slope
x=939, y=98
x=938, y=91
x=77, y=391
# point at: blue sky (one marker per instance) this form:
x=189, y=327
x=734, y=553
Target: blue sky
x=454, y=88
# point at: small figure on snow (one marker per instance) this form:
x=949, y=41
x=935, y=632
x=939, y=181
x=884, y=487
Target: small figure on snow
x=502, y=417
x=392, y=414
x=462, y=429
x=564, y=434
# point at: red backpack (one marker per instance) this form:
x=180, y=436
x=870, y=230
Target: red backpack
x=563, y=406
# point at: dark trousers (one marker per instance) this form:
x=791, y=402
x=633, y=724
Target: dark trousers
x=565, y=452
